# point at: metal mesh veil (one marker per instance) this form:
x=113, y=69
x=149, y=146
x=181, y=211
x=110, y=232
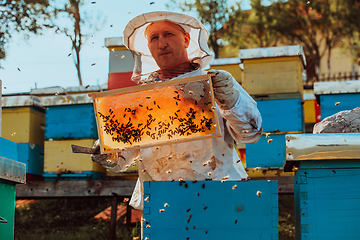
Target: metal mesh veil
x=134, y=39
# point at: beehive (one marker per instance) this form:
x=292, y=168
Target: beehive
x=337, y=96
x=327, y=200
x=121, y=64
x=23, y=119
x=282, y=115
x=230, y=65
x=273, y=70
x=155, y=114
x=311, y=108
x=210, y=210
x=11, y=173
x=69, y=117
x=60, y=160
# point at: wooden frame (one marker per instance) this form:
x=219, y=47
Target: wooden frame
x=156, y=114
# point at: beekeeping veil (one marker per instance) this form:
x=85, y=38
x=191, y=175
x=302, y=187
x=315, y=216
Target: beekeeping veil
x=135, y=40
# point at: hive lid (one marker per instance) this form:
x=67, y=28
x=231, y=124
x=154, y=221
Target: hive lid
x=336, y=87
x=325, y=146
x=12, y=170
x=21, y=101
x=224, y=61
x=253, y=53
x=68, y=99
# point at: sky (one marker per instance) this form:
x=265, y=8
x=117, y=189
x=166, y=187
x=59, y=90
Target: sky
x=43, y=60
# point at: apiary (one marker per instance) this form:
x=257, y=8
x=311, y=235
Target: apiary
x=210, y=210
x=273, y=70
x=337, y=96
x=62, y=164
x=156, y=114
x=121, y=64
x=11, y=173
x=327, y=175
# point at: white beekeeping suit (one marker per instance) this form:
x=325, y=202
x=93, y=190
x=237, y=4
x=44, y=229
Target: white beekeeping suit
x=214, y=158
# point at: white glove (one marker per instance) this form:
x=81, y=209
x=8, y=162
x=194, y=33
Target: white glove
x=224, y=92
x=105, y=160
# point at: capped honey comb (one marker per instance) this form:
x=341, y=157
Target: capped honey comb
x=156, y=114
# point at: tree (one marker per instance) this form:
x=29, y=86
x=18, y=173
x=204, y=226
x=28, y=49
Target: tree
x=80, y=20
x=26, y=16
x=313, y=24
x=214, y=14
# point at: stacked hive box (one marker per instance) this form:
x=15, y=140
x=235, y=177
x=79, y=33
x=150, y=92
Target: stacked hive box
x=121, y=64
x=334, y=97
x=326, y=183
x=274, y=78
x=11, y=173
x=23, y=121
x=69, y=120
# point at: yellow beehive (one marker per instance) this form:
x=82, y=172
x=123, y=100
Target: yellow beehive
x=230, y=65
x=23, y=122
x=60, y=158
x=273, y=70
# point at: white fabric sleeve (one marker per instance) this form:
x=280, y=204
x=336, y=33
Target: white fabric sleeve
x=243, y=120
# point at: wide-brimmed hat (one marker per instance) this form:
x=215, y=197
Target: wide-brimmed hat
x=135, y=40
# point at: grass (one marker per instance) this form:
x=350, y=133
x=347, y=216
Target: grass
x=72, y=219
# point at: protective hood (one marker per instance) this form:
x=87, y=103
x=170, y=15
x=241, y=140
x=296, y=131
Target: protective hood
x=135, y=40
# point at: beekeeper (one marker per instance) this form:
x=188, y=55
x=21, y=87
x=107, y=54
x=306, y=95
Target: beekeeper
x=167, y=46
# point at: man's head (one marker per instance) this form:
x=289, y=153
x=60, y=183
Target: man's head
x=167, y=43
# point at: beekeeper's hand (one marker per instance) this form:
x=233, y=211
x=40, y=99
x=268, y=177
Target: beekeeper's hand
x=105, y=160
x=224, y=92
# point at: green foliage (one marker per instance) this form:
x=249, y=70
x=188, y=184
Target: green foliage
x=68, y=219
x=214, y=14
x=27, y=16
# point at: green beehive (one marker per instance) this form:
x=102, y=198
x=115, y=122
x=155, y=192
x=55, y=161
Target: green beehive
x=11, y=173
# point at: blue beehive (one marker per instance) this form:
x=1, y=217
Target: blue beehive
x=210, y=210
x=326, y=184
x=337, y=96
x=33, y=156
x=73, y=121
x=282, y=115
x=268, y=152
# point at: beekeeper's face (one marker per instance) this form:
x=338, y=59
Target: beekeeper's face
x=167, y=43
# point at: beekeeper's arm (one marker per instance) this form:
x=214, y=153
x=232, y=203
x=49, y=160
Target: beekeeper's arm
x=117, y=162
x=243, y=119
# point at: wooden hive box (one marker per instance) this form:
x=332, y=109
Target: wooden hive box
x=284, y=114
x=273, y=70
x=230, y=65
x=210, y=210
x=268, y=152
x=69, y=117
x=23, y=119
x=11, y=173
x=326, y=184
x=33, y=156
x=311, y=108
x=61, y=163
x=337, y=96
